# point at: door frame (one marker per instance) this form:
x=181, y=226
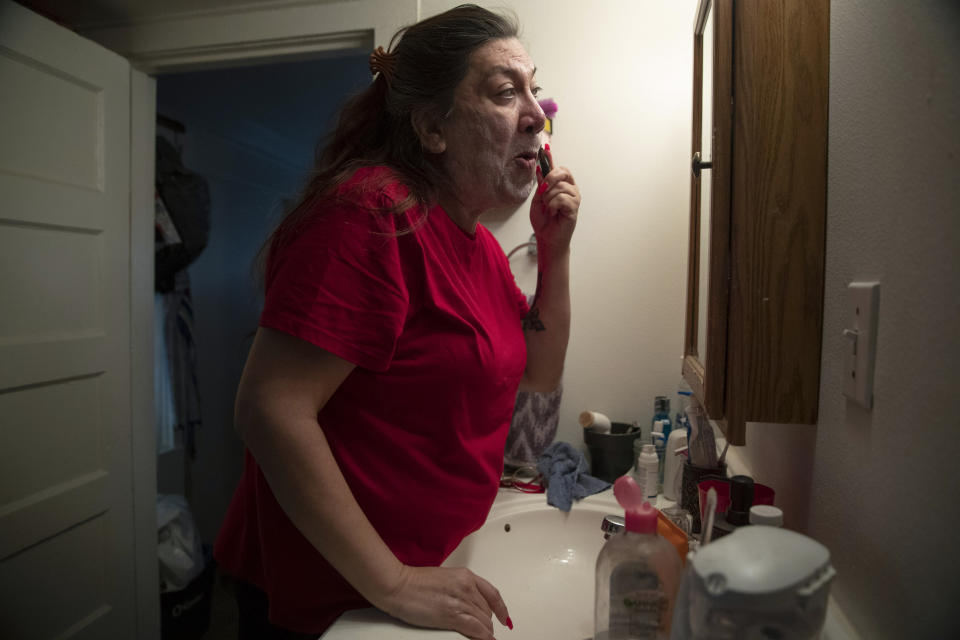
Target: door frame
x=215, y=39
x=143, y=438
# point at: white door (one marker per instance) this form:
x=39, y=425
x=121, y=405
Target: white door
x=66, y=483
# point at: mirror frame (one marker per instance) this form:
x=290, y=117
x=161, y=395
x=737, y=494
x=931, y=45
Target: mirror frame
x=707, y=380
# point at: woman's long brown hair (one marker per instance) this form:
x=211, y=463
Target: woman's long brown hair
x=429, y=60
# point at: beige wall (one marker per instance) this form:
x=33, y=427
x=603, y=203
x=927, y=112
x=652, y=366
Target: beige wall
x=885, y=484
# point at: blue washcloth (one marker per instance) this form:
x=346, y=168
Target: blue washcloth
x=565, y=469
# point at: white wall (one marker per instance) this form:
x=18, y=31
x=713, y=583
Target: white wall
x=621, y=73
x=883, y=484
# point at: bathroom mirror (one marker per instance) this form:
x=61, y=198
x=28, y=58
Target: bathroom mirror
x=706, y=153
x=704, y=337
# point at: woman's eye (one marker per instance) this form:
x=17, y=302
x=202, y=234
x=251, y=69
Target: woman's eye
x=511, y=92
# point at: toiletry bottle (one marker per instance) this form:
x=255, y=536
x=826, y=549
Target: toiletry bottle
x=660, y=445
x=647, y=467
x=661, y=411
x=661, y=424
x=635, y=470
x=673, y=465
x=637, y=574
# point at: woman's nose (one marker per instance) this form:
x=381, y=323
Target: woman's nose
x=532, y=120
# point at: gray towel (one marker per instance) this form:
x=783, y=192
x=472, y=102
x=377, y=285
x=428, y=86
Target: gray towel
x=565, y=469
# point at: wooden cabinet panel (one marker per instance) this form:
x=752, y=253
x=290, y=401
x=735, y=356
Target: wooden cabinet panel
x=768, y=216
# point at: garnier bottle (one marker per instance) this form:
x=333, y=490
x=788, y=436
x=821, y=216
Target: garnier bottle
x=637, y=574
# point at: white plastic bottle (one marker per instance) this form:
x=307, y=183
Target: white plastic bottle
x=638, y=573
x=673, y=465
x=648, y=466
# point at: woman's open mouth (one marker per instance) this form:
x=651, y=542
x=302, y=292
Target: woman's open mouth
x=528, y=159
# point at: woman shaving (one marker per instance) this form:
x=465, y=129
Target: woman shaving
x=379, y=389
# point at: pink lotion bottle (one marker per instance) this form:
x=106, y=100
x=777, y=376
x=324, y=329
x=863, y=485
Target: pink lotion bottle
x=638, y=573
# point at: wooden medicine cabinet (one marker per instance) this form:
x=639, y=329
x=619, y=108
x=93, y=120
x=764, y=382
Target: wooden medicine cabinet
x=758, y=199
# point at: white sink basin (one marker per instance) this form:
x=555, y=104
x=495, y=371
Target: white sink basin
x=541, y=559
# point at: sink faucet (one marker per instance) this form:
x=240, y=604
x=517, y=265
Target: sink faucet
x=612, y=525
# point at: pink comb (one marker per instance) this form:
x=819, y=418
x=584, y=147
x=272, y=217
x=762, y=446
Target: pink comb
x=549, y=106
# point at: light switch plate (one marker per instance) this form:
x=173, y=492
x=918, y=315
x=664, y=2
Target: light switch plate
x=860, y=343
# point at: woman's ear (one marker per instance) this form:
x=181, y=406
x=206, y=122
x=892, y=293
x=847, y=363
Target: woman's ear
x=427, y=127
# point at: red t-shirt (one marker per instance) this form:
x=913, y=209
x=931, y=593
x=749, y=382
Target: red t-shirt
x=431, y=316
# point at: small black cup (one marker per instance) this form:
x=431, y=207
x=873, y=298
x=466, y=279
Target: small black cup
x=611, y=454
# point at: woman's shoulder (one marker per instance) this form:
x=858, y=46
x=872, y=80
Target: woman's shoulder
x=376, y=188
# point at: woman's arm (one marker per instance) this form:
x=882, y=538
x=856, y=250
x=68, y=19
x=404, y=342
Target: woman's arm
x=285, y=383
x=547, y=326
x=553, y=214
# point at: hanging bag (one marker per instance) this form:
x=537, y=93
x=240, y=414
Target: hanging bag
x=185, y=197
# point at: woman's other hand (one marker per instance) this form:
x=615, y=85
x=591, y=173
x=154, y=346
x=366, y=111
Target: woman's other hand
x=553, y=211
x=446, y=598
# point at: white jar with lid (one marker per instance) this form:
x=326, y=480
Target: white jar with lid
x=767, y=515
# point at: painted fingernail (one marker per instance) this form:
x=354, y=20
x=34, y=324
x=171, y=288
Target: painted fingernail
x=509, y=623
x=547, y=146
x=543, y=186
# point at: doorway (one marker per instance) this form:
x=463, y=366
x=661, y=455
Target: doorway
x=251, y=132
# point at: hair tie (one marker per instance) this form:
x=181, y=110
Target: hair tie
x=382, y=62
